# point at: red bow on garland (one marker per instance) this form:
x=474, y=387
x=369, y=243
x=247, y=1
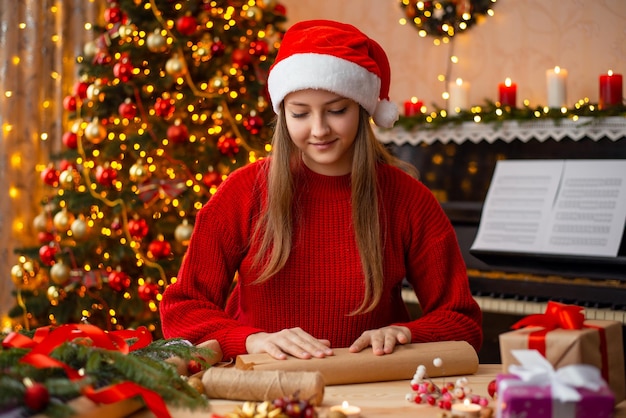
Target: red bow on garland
x=151, y=190
x=46, y=339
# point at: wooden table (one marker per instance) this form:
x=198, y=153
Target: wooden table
x=385, y=399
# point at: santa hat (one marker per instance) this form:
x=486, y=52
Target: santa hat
x=337, y=57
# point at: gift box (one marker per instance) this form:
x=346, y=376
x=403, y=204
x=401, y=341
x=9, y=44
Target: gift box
x=564, y=337
x=536, y=390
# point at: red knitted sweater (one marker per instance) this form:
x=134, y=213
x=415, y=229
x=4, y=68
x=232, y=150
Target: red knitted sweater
x=322, y=281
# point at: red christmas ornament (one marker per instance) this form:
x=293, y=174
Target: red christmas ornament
x=212, y=179
x=127, y=109
x=194, y=367
x=228, y=145
x=218, y=48
x=178, y=133
x=113, y=15
x=106, y=176
x=119, y=281
x=253, y=124
x=123, y=69
x=259, y=48
x=159, y=248
x=69, y=103
x=36, y=396
x=70, y=140
x=45, y=236
x=164, y=107
x=241, y=57
x=148, y=291
x=492, y=389
x=80, y=89
x=138, y=228
x=46, y=254
x=50, y=176
x=186, y=25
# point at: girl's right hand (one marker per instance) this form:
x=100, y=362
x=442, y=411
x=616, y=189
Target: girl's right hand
x=292, y=341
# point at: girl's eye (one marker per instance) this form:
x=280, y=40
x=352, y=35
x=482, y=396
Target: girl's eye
x=298, y=115
x=339, y=111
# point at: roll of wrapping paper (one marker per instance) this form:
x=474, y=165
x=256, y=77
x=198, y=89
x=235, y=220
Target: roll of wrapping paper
x=262, y=385
x=458, y=358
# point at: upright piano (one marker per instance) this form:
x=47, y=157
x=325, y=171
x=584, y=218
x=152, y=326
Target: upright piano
x=457, y=164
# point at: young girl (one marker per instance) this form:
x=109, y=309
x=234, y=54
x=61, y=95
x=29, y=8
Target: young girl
x=322, y=233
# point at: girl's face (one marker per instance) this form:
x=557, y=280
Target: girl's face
x=323, y=125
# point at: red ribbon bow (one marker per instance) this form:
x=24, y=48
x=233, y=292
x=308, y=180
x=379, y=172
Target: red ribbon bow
x=150, y=190
x=557, y=315
x=46, y=339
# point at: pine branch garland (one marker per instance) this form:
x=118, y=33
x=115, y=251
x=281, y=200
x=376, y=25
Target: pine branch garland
x=101, y=367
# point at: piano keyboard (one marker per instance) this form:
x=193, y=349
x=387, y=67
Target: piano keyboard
x=523, y=308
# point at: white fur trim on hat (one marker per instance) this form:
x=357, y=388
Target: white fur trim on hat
x=334, y=74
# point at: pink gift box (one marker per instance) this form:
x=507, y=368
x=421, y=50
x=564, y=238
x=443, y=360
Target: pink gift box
x=521, y=399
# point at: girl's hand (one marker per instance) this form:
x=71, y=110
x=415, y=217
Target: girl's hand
x=293, y=341
x=383, y=340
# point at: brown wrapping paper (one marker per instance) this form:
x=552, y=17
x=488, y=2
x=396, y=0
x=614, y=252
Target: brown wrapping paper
x=252, y=385
x=565, y=347
x=459, y=358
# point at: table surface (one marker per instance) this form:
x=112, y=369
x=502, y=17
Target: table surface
x=383, y=399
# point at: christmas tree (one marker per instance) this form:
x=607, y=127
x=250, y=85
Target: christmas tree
x=170, y=98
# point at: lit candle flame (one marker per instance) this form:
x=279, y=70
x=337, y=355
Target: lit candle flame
x=507, y=82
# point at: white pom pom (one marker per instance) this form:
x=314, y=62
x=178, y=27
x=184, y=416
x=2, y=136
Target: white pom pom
x=386, y=114
x=437, y=362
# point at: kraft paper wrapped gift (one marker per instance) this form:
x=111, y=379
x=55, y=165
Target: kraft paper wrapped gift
x=564, y=337
x=535, y=389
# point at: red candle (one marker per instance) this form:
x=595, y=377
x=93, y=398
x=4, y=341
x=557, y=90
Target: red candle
x=413, y=107
x=507, y=93
x=610, y=90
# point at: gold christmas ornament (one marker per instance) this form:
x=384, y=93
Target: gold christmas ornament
x=139, y=172
x=156, y=42
x=95, y=132
x=90, y=49
x=196, y=383
x=93, y=92
x=79, y=228
x=183, y=232
x=62, y=221
x=175, y=66
x=60, y=273
x=53, y=295
x=67, y=179
x=42, y=222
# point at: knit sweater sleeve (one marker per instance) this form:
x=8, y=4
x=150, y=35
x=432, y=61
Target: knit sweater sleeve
x=437, y=272
x=193, y=306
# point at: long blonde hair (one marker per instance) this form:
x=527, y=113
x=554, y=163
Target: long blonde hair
x=275, y=227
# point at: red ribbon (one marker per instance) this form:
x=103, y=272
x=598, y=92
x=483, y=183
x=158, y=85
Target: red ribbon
x=150, y=190
x=46, y=339
x=559, y=315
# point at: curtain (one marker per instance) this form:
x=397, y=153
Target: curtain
x=39, y=40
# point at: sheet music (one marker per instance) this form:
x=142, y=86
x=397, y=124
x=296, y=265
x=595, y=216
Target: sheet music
x=569, y=207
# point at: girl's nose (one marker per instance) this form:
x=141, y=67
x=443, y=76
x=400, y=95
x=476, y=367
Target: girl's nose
x=320, y=126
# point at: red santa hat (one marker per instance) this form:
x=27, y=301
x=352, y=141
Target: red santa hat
x=337, y=57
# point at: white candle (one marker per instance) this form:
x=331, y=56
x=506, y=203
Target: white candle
x=556, y=80
x=465, y=410
x=458, y=96
x=350, y=411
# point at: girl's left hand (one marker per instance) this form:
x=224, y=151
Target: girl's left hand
x=382, y=340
